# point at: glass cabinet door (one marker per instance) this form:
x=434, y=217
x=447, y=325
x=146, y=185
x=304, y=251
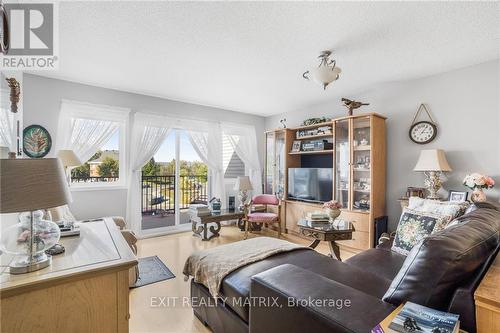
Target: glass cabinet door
x=342, y=160
x=361, y=163
x=279, y=170
x=268, y=186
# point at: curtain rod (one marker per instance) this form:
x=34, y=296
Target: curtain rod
x=172, y=117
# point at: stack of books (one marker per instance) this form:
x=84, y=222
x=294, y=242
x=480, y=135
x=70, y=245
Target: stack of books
x=412, y=317
x=318, y=217
x=199, y=210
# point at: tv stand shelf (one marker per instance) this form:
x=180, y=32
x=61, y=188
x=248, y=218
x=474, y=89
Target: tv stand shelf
x=358, y=162
x=314, y=152
x=312, y=137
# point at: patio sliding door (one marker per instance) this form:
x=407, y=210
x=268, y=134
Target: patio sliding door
x=172, y=180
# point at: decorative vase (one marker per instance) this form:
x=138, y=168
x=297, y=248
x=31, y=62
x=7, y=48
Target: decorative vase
x=478, y=195
x=333, y=213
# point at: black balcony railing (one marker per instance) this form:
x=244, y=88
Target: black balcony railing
x=158, y=193
x=93, y=179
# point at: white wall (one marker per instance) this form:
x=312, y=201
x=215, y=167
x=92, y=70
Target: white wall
x=42, y=105
x=7, y=220
x=465, y=105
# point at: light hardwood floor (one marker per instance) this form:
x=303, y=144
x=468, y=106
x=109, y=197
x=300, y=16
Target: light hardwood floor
x=173, y=250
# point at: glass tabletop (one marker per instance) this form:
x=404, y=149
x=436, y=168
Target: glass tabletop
x=225, y=212
x=338, y=225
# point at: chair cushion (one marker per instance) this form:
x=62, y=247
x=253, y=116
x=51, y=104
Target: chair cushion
x=437, y=265
x=265, y=199
x=262, y=217
x=236, y=286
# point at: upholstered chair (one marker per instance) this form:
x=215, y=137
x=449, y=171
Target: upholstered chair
x=263, y=217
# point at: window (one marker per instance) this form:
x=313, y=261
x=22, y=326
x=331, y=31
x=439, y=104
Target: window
x=103, y=166
x=233, y=165
x=96, y=134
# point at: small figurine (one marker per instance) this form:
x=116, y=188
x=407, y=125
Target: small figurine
x=15, y=91
x=283, y=122
x=215, y=203
x=351, y=105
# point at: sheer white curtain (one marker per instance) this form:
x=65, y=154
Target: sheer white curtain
x=85, y=128
x=148, y=133
x=244, y=141
x=6, y=121
x=208, y=145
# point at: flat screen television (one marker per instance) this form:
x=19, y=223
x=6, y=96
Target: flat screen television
x=310, y=184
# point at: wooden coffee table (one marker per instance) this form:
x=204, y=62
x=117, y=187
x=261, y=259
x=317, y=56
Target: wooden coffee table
x=325, y=232
x=207, y=232
x=209, y=225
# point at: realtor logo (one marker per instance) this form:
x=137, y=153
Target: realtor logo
x=29, y=36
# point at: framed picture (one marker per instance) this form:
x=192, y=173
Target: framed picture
x=457, y=196
x=36, y=141
x=231, y=205
x=296, y=146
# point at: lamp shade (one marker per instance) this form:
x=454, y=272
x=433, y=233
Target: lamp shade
x=432, y=160
x=69, y=158
x=32, y=184
x=243, y=184
x=324, y=75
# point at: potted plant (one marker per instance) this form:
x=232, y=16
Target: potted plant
x=477, y=182
x=332, y=208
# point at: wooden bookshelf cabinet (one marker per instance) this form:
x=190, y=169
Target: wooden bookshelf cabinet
x=358, y=162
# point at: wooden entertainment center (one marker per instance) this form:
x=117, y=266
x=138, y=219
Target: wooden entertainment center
x=355, y=148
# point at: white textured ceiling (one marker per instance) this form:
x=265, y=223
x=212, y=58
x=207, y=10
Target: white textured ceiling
x=249, y=56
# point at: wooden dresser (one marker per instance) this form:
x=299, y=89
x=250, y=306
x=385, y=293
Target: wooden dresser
x=84, y=290
x=487, y=299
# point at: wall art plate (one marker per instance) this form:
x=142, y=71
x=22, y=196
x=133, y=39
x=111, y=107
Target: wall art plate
x=36, y=141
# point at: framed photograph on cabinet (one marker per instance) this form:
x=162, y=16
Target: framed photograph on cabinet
x=296, y=146
x=457, y=196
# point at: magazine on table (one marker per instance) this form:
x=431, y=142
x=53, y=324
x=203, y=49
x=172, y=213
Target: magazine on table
x=415, y=318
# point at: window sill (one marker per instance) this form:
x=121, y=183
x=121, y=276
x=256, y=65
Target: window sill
x=97, y=188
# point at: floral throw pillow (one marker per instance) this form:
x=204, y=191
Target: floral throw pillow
x=445, y=209
x=412, y=228
x=454, y=209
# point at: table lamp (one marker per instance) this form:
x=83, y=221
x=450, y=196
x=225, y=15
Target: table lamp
x=68, y=159
x=28, y=185
x=243, y=185
x=432, y=162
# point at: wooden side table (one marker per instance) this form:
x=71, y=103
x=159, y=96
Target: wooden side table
x=325, y=232
x=487, y=300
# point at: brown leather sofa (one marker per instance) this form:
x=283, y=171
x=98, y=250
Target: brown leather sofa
x=303, y=290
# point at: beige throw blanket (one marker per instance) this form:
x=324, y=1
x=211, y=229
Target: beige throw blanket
x=209, y=267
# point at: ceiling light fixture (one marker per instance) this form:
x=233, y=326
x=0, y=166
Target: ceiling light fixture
x=326, y=72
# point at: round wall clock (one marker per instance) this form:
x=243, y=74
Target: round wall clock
x=36, y=141
x=423, y=132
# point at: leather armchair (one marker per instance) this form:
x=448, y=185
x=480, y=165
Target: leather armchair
x=298, y=300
